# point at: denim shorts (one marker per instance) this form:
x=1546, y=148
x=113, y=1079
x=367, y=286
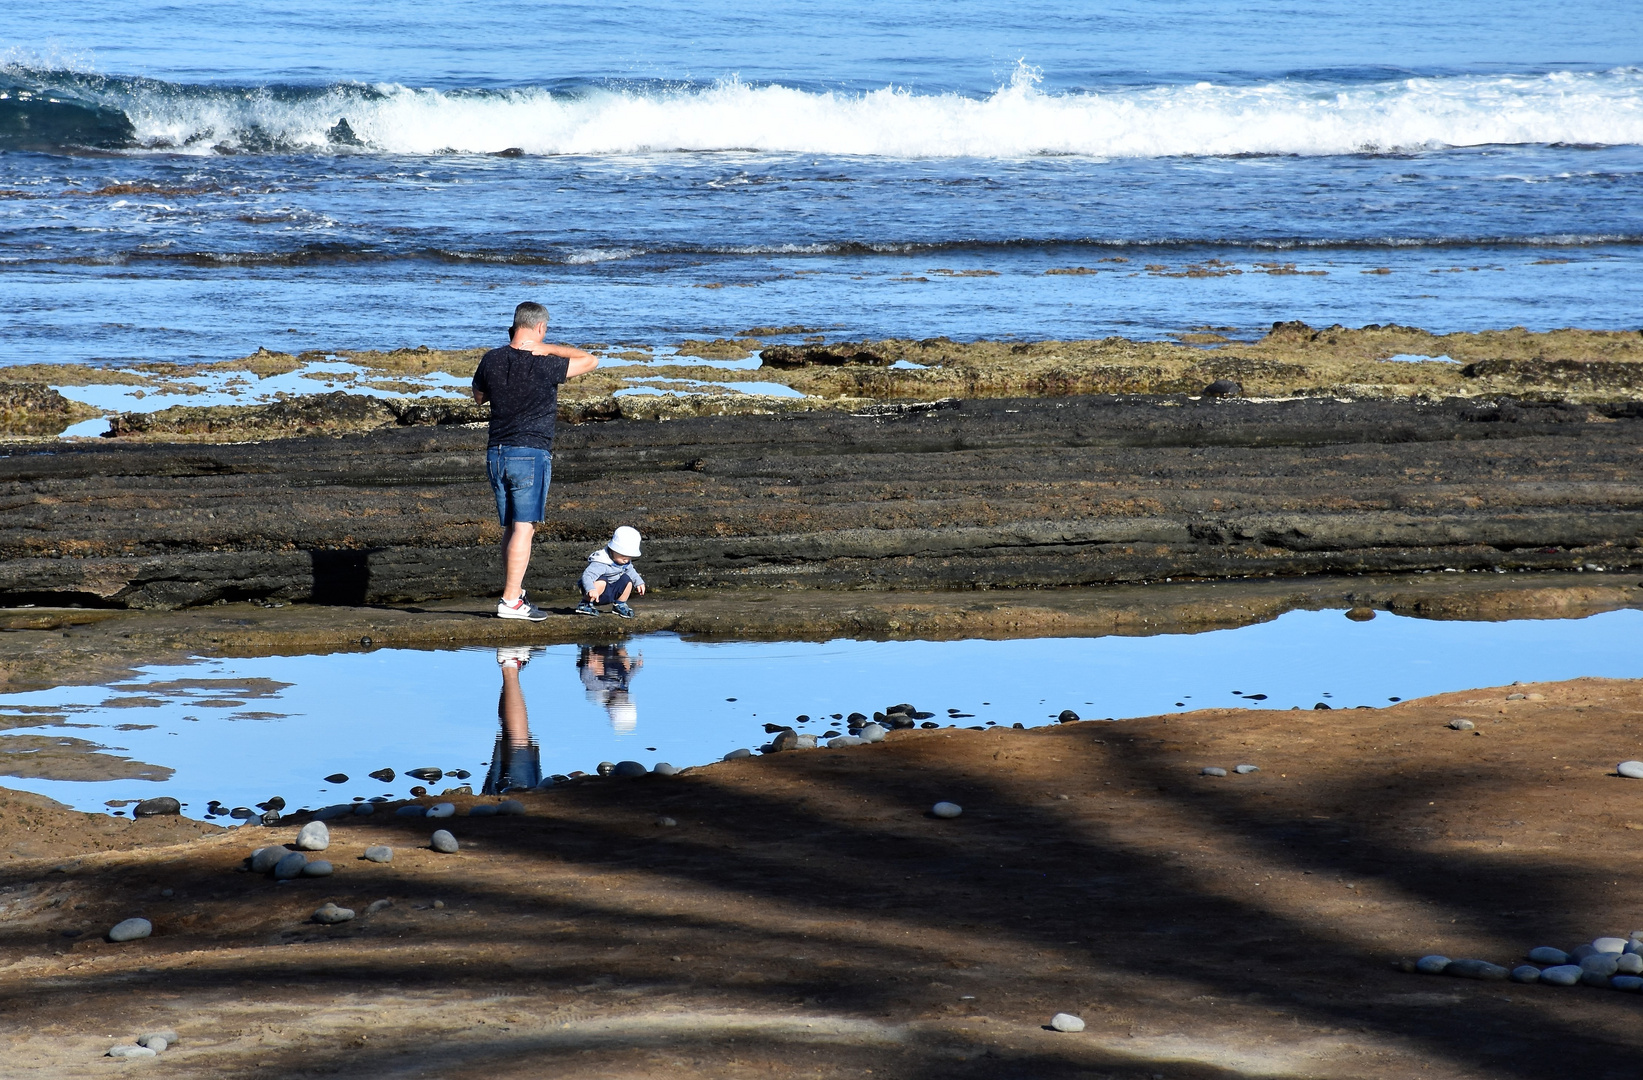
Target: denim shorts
x=519, y=476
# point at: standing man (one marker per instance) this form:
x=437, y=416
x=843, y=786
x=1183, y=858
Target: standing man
x=521, y=381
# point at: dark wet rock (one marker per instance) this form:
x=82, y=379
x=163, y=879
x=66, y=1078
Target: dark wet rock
x=802, y=718
x=510, y=808
x=482, y=810
x=855, y=718
x=379, y=853
x=741, y=752
x=1067, y=716
x=1601, y=965
x=412, y=810
x=330, y=914
x=832, y=734
x=337, y=778
x=330, y=813
x=929, y=724
x=790, y=357
x=776, y=729
x=427, y=774
x=242, y=813
x=271, y=818
x=1526, y=973
x=906, y=708
x=158, y=807
x=443, y=842
x=1629, y=983
x=787, y=739
x=606, y=768
x=547, y=782
x=1223, y=388
x=418, y=791
x=341, y=133
x=1581, y=952
x=276, y=803
x=922, y=715
x=460, y=789
x=460, y=774
x=130, y=930
x=1545, y=954
x=386, y=776
x=314, y=836
x=1323, y=707
x=1360, y=614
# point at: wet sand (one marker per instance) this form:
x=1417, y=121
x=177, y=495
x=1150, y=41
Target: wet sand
x=805, y=917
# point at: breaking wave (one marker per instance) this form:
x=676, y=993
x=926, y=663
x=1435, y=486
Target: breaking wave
x=65, y=111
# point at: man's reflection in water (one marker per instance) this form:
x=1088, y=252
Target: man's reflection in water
x=606, y=671
x=515, y=763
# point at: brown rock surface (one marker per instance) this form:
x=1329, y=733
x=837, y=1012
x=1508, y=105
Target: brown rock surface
x=994, y=493
x=805, y=917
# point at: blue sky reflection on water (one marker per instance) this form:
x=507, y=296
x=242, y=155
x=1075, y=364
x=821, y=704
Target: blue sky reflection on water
x=357, y=712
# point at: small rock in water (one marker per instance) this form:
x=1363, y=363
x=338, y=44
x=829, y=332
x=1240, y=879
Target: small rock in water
x=460, y=789
x=482, y=810
x=1432, y=965
x=147, y=1038
x=317, y=868
x=664, y=769
x=1212, y=770
x=1526, y=973
x=276, y=803
x=441, y=810
x=130, y=930
x=510, y=808
x=1322, y=707
x=1545, y=954
x=384, y=775
x=242, y=812
x=776, y=729
x=427, y=773
x=946, y=810
x=271, y=818
x=830, y=733
x=1561, y=975
x=290, y=866
x=337, y=778
x=1067, y=716
x=1245, y=770
x=460, y=774
x=1631, y=769
x=606, y=768
x=1630, y=983
x=379, y=853
x=314, y=836
x=329, y=913
x=365, y=808
x=264, y=858
x=159, y=807
x=1615, y=945
x=1360, y=614
x=1475, y=969
x=411, y=810
x=741, y=752
x=1460, y=724
x=132, y=1052
x=786, y=739
x=872, y=733
x=418, y=791
x=1066, y=1022
x=1223, y=388
x=443, y=841
x=856, y=718
x=808, y=742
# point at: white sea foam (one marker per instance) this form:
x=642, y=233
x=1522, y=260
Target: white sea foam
x=1017, y=120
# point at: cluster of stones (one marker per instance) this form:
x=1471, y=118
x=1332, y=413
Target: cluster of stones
x=149, y=1044
x=1612, y=963
x=1216, y=770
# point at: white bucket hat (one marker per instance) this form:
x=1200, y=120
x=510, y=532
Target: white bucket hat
x=625, y=541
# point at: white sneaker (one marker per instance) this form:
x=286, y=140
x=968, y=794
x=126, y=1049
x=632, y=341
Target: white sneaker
x=519, y=609
x=515, y=656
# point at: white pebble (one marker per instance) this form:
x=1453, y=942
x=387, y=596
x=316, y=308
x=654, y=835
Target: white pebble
x=1632, y=769
x=1066, y=1022
x=1212, y=770
x=443, y=809
x=314, y=836
x=131, y=930
x=946, y=810
x=1561, y=975
x=1615, y=945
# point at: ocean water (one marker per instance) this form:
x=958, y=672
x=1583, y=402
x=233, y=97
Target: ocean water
x=189, y=181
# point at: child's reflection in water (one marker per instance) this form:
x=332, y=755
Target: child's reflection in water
x=606, y=671
x=515, y=763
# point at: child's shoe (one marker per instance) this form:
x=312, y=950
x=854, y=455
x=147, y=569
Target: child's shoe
x=586, y=608
x=622, y=610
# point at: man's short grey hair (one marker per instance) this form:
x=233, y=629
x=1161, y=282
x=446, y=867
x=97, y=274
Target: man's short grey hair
x=529, y=314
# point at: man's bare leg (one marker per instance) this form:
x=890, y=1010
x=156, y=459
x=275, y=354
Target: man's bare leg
x=516, y=558
x=510, y=708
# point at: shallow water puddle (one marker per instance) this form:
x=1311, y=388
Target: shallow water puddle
x=244, y=730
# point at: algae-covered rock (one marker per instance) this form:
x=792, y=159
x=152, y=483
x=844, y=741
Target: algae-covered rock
x=34, y=409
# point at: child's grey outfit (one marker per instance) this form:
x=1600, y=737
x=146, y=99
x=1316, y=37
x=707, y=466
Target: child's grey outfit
x=601, y=567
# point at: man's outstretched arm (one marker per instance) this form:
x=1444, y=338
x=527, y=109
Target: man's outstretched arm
x=581, y=361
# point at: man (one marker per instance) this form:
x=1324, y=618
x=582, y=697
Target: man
x=521, y=381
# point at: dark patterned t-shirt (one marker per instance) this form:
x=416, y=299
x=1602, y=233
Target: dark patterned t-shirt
x=523, y=390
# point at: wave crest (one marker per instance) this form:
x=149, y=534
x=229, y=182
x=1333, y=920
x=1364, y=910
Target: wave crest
x=1017, y=120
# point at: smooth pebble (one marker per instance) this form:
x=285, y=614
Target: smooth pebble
x=441, y=810
x=1526, y=973
x=314, y=836
x=147, y=1037
x=1545, y=954
x=1561, y=975
x=740, y=752
x=443, y=841
x=379, y=905
x=1629, y=983
x=365, y=808
x=1629, y=964
x=379, y=853
x=290, y=866
x=664, y=769
x=330, y=913
x=1431, y=965
x=132, y=1052
x=1066, y=1022
x=629, y=768
x=130, y=930
x=1462, y=725
x=1615, y=945
x=871, y=732
x=845, y=740
x=1245, y=770
x=1212, y=770
x=264, y=858
x=411, y=810
x=510, y=808
x=1632, y=769
x=159, y=807
x=1600, y=965
x=1581, y=952
x=156, y=1044
x=946, y=810
x=317, y=868
x=482, y=810
x=1475, y=969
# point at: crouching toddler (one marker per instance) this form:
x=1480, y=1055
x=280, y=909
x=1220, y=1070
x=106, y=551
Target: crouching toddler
x=611, y=576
